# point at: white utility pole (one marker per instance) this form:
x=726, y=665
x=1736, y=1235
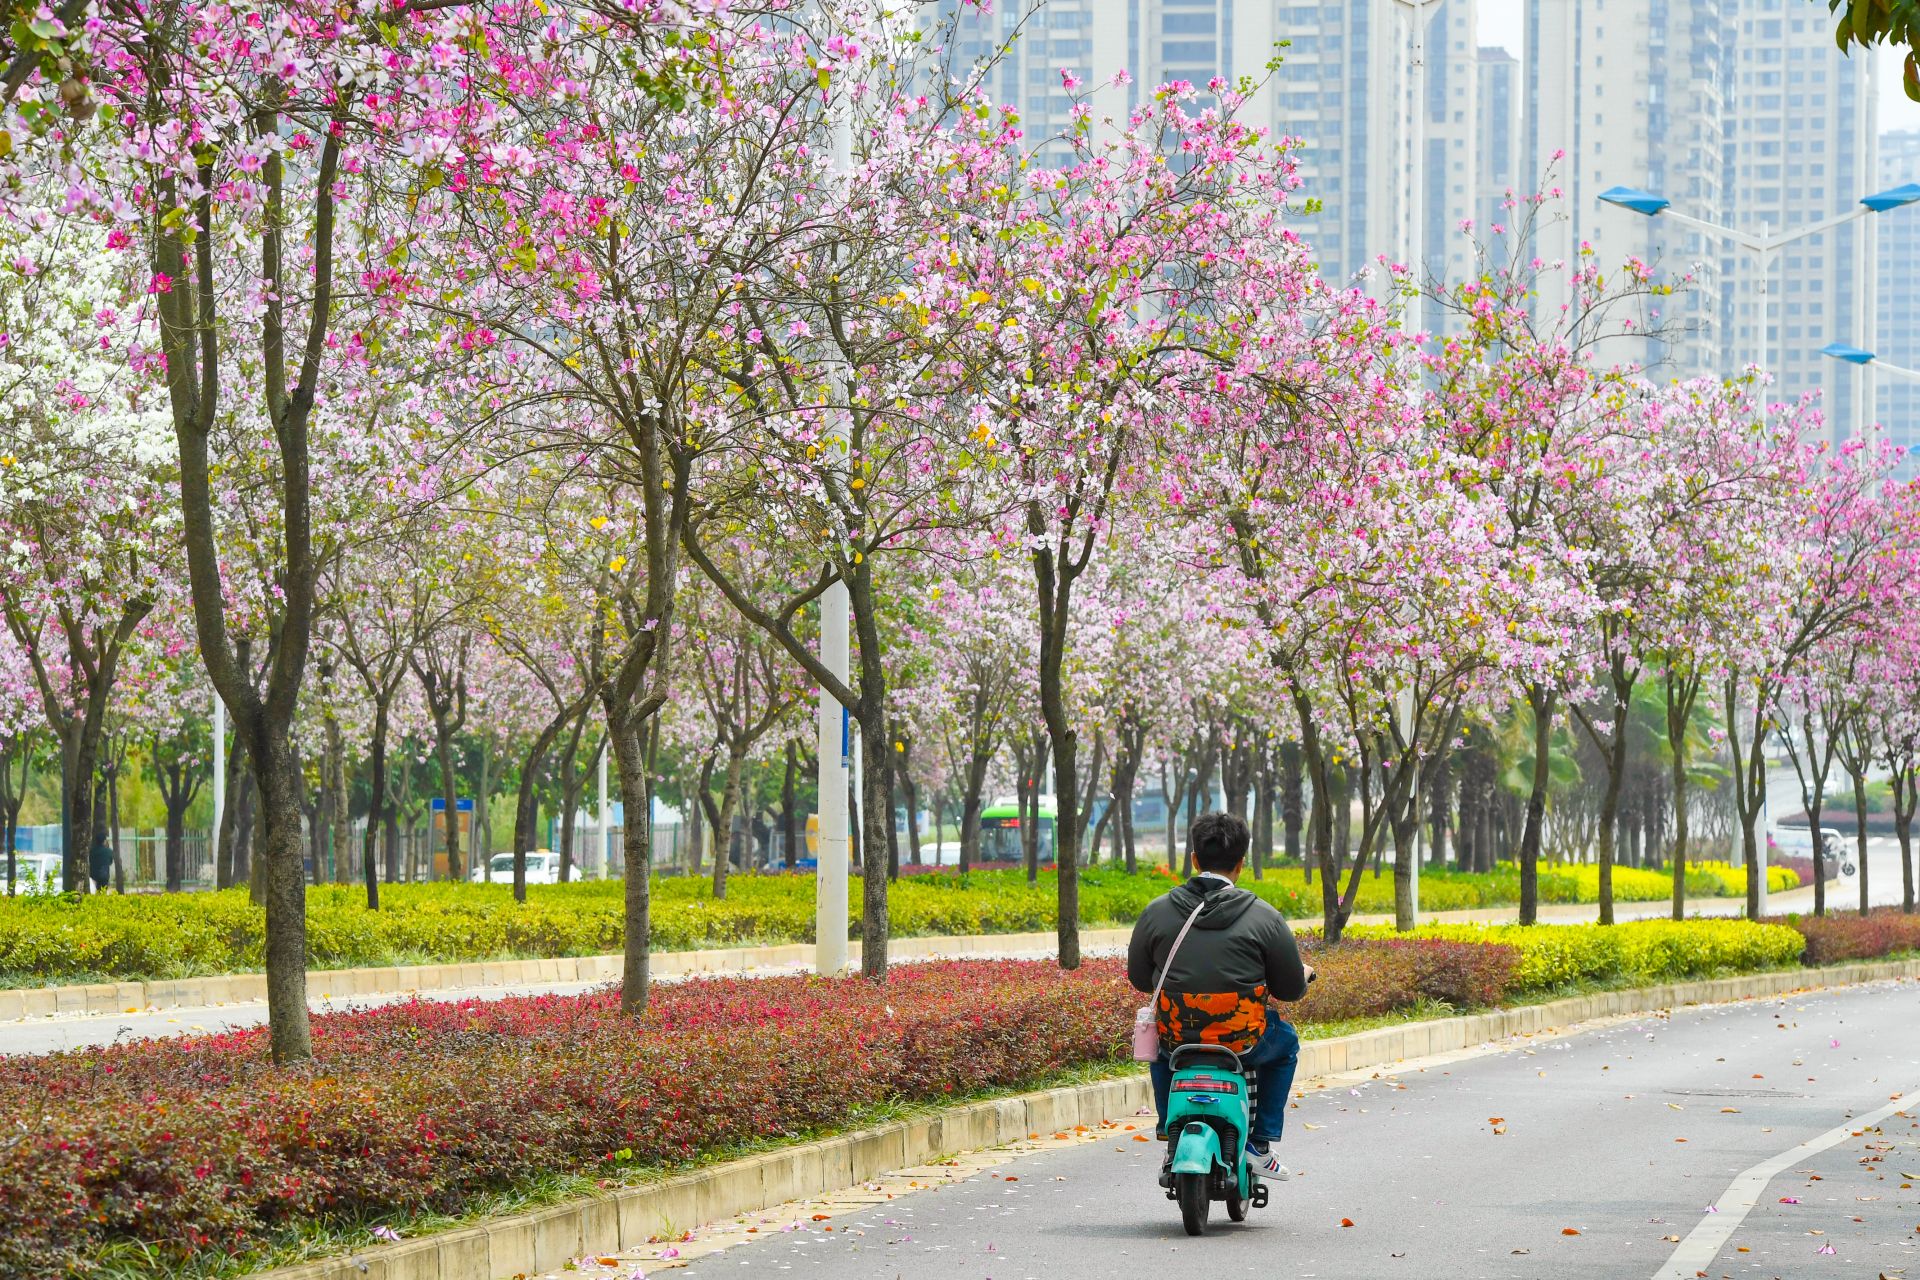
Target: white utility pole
x=1416, y=209
x=830, y=876
x=602, y=851
x=1403, y=712
x=1416, y=133
x=219, y=773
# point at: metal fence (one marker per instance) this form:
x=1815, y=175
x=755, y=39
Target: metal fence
x=141, y=856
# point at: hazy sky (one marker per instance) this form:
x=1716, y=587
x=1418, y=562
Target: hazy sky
x=1501, y=23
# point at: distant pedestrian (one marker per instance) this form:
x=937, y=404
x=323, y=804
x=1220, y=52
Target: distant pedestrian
x=100, y=863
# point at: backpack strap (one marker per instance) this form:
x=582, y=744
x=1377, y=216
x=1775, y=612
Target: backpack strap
x=1172, y=951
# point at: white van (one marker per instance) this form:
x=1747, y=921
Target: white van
x=35, y=872
x=543, y=867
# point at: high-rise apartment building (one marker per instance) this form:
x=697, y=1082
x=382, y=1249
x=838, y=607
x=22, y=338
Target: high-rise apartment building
x=1501, y=145
x=1346, y=91
x=1634, y=93
x=1800, y=148
x=1741, y=113
x=1020, y=51
x=1342, y=88
x=1896, y=338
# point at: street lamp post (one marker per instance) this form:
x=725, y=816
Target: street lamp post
x=834, y=738
x=1765, y=245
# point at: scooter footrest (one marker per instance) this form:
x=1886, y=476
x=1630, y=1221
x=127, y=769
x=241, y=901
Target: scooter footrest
x=1259, y=1197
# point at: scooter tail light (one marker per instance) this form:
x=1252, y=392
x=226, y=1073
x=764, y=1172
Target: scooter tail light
x=1208, y=1086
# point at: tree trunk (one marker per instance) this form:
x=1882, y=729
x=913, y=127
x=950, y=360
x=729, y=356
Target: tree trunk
x=239, y=833
x=893, y=825
x=1540, y=699
x=1290, y=797
x=1749, y=790
x=480, y=843
x=876, y=819
x=391, y=814
x=939, y=826
x=789, y=824
x=1342, y=797
x=1126, y=763
x=1610, y=809
x=910, y=791
x=176, y=847
x=111, y=791
x=1860, y=833
x=1174, y=798
x=636, y=791
x=526, y=802
x=970, y=805
x=78, y=757
x=1906, y=795
x=450, y=795
x=376, y=806
x=723, y=824
x=283, y=879
x=1679, y=716
x=697, y=834
x=1262, y=811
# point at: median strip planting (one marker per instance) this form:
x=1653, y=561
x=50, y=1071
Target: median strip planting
x=198, y=1150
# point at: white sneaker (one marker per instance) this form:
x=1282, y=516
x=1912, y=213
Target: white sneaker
x=1266, y=1165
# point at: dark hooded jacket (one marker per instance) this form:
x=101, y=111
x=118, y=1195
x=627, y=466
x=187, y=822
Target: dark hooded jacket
x=1237, y=955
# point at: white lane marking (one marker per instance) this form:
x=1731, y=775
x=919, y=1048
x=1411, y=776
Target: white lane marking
x=1704, y=1242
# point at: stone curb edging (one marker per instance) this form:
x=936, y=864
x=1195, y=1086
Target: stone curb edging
x=17, y=1004
x=606, y=1223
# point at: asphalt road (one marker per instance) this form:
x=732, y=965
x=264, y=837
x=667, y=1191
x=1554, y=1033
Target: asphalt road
x=1620, y=1153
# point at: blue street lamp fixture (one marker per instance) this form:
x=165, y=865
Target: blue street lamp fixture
x=1863, y=357
x=1635, y=199
x=1765, y=245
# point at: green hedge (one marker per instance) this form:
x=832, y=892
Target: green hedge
x=1636, y=953
x=54, y=939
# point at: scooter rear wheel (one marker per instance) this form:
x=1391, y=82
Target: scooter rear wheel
x=1236, y=1207
x=1191, y=1190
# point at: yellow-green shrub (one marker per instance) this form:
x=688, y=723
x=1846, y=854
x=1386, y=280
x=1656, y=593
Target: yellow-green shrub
x=1733, y=879
x=1553, y=956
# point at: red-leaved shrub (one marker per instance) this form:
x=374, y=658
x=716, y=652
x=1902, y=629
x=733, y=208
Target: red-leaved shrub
x=1366, y=977
x=198, y=1144
x=1834, y=938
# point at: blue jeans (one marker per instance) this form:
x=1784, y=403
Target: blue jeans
x=1273, y=1059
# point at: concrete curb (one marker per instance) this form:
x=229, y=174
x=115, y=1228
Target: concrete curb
x=17, y=1004
x=546, y=1239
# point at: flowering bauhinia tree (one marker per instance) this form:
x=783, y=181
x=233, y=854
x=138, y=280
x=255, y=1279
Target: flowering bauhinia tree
x=1844, y=553
x=87, y=548
x=1078, y=296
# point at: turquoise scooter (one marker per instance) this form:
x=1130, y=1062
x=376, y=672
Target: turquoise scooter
x=1208, y=1111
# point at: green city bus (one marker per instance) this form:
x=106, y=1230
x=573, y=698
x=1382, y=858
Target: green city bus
x=1000, y=832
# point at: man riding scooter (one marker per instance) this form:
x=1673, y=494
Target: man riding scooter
x=1236, y=954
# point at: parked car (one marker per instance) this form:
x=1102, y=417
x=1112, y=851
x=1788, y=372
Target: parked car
x=1798, y=841
x=36, y=872
x=543, y=867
